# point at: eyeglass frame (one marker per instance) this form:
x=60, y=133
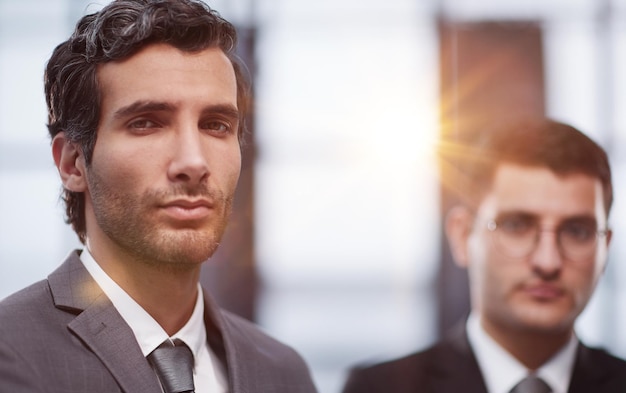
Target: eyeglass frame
x=492, y=226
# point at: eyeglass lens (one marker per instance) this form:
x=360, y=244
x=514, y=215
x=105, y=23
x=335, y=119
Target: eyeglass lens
x=517, y=235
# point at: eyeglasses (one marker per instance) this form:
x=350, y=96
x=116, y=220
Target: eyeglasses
x=518, y=235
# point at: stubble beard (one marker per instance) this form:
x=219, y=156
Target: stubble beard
x=131, y=222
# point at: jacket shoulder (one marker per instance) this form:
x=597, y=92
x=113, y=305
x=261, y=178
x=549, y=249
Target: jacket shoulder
x=600, y=355
x=447, y=366
x=25, y=302
x=401, y=375
x=26, y=319
x=251, y=334
x=596, y=368
x=275, y=364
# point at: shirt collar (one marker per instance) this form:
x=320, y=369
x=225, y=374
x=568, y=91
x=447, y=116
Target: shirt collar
x=148, y=333
x=501, y=371
x=557, y=371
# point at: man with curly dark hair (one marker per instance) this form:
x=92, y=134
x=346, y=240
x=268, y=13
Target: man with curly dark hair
x=146, y=107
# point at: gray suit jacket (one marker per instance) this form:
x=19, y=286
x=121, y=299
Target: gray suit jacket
x=450, y=367
x=64, y=335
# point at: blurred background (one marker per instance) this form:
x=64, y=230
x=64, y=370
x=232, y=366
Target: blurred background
x=335, y=246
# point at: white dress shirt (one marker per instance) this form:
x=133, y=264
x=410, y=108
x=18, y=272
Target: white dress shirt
x=501, y=371
x=208, y=374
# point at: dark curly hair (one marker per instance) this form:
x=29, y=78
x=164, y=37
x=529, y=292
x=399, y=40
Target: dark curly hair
x=117, y=32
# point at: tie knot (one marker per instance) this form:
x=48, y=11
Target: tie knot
x=173, y=364
x=531, y=384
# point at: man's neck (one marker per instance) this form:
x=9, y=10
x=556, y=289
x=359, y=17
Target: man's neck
x=168, y=295
x=530, y=348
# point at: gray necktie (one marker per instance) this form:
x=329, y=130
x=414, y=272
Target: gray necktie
x=173, y=364
x=531, y=384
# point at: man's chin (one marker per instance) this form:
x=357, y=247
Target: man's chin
x=547, y=321
x=186, y=249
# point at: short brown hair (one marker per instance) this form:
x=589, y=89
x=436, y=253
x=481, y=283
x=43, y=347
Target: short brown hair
x=530, y=142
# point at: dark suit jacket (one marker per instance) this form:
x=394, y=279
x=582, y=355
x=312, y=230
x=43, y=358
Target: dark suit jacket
x=450, y=367
x=64, y=335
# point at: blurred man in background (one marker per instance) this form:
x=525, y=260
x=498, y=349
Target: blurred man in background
x=532, y=232
x=146, y=105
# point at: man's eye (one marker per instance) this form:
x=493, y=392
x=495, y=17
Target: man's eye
x=142, y=124
x=217, y=126
x=515, y=225
x=578, y=232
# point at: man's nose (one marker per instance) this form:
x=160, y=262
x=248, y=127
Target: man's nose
x=546, y=258
x=189, y=162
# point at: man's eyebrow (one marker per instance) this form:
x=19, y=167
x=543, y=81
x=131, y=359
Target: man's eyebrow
x=157, y=106
x=581, y=218
x=143, y=106
x=222, y=109
x=516, y=213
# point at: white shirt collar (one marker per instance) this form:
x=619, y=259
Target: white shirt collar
x=148, y=333
x=557, y=371
x=501, y=371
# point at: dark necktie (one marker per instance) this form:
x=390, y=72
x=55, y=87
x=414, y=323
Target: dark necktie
x=173, y=364
x=531, y=384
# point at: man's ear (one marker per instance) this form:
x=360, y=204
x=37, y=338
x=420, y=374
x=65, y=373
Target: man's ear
x=609, y=236
x=607, y=239
x=70, y=162
x=459, y=221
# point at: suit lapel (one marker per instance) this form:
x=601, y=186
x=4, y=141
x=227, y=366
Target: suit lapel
x=232, y=346
x=100, y=327
x=595, y=371
x=454, y=367
x=220, y=339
